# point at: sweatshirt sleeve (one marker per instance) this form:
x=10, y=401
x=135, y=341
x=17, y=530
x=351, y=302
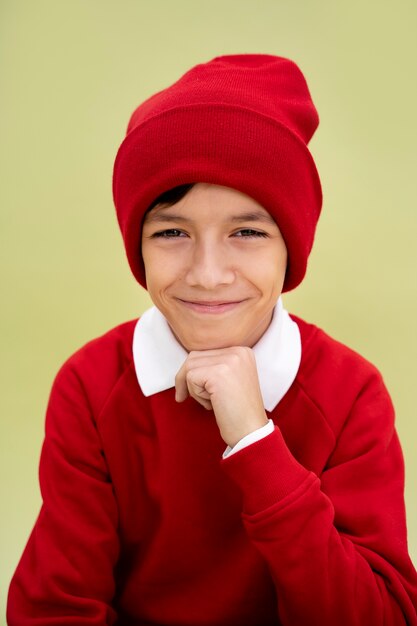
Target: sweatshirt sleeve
x=336, y=544
x=65, y=575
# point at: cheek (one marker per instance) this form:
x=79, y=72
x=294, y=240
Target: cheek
x=161, y=270
x=153, y=264
x=281, y=259
x=268, y=271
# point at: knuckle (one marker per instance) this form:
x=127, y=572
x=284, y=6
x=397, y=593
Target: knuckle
x=223, y=369
x=234, y=358
x=191, y=377
x=241, y=353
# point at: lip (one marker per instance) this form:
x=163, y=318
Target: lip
x=211, y=307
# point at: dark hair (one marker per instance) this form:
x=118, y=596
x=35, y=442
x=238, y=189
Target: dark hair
x=171, y=196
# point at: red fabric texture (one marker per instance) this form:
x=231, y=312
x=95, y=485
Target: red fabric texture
x=242, y=121
x=143, y=523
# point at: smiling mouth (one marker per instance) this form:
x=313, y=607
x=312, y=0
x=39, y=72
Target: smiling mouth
x=213, y=307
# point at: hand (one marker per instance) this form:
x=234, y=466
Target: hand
x=225, y=381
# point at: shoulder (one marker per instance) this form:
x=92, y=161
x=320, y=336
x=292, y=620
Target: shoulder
x=97, y=367
x=336, y=377
x=112, y=349
x=318, y=344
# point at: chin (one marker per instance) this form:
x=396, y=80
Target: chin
x=207, y=343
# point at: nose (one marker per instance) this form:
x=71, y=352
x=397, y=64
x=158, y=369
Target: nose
x=209, y=266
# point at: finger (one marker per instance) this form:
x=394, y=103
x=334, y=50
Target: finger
x=204, y=403
x=195, y=360
x=181, y=388
x=197, y=381
x=186, y=387
x=202, y=356
x=197, y=391
x=230, y=357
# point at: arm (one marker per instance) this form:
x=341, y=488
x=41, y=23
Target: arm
x=335, y=546
x=65, y=575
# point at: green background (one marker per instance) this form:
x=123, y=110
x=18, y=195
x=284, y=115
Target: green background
x=71, y=73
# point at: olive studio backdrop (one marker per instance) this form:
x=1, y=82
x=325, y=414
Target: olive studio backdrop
x=71, y=73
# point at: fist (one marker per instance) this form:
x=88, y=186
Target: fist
x=226, y=382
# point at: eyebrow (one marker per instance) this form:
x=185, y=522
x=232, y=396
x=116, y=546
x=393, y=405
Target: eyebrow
x=254, y=216
x=249, y=216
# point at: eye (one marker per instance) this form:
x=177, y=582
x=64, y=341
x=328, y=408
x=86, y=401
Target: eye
x=170, y=233
x=249, y=233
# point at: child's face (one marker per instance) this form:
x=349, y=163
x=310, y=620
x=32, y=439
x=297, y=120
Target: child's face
x=215, y=264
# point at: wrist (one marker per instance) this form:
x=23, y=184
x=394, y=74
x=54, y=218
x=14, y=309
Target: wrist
x=251, y=438
x=232, y=438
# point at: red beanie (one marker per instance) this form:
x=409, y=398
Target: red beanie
x=242, y=121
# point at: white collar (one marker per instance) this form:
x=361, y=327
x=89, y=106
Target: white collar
x=158, y=355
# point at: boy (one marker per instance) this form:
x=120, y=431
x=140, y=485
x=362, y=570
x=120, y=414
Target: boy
x=147, y=518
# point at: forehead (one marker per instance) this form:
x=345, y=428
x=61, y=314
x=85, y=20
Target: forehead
x=221, y=204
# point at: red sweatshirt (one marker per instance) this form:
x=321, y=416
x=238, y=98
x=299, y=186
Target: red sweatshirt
x=143, y=522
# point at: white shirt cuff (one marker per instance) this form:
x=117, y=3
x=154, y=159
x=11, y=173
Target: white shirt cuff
x=247, y=440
